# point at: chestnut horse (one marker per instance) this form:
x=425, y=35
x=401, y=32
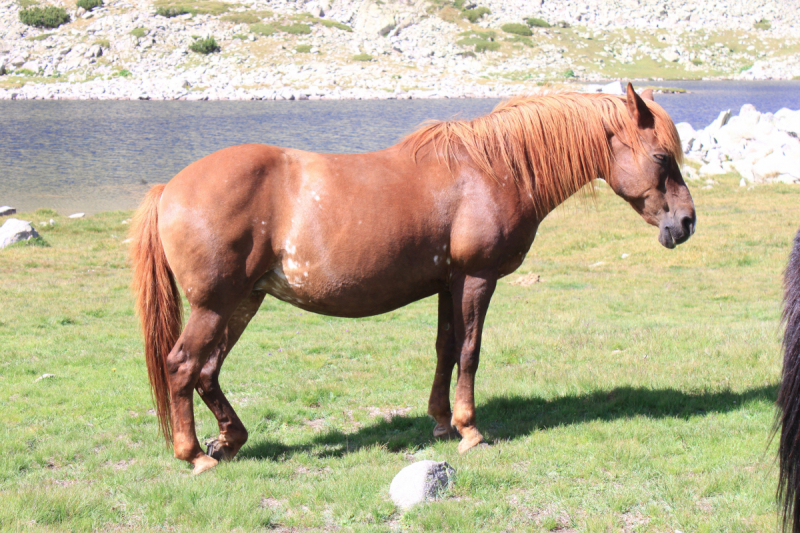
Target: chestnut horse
x=449, y=210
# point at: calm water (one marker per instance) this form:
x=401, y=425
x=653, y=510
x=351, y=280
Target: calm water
x=103, y=155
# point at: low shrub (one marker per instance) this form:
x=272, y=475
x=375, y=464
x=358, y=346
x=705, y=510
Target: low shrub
x=533, y=22
x=139, y=32
x=334, y=24
x=88, y=5
x=44, y=17
x=205, y=46
x=303, y=48
x=521, y=39
x=124, y=73
x=488, y=35
x=362, y=57
x=486, y=46
x=569, y=74
x=517, y=29
x=473, y=15
x=762, y=24
x=697, y=61
x=263, y=29
x=242, y=18
x=41, y=37
x=171, y=11
x=296, y=29
x=103, y=42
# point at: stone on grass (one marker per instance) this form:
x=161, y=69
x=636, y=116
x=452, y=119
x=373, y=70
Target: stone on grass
x=421, y=481
x=15, y=230
x=77, y=215
x=7, y=210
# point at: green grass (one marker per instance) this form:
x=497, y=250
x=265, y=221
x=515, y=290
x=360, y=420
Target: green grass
x=474, y=15
x=302, y=48
x=171, y=11
x=41, y=37
x=617, y=394
x=296, y=29
x=262, y=29
x=762, y=24
x=362, y=57
x=139, y=32
x=242, y=18
x=202, y=7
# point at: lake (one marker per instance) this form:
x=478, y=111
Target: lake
x=103, y=155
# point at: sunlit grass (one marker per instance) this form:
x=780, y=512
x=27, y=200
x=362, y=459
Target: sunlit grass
x=618, y=392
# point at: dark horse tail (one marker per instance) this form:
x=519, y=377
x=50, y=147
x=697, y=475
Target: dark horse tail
x=789, y=397
x=158, y=302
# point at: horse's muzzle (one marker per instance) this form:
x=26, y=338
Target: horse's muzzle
x=676, y=230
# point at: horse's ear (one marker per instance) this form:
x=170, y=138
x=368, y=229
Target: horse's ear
x=647, y=94
x=638, y=109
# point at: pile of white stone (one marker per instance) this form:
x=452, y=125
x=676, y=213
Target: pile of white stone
x=761, y=147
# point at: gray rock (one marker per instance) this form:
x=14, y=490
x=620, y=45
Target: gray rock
x=421, y=481
x=15, y=230
x=7, y=210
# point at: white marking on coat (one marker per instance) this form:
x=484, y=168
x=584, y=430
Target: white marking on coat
x=435, y=259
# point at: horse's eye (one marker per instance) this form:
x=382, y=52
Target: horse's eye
x=661, y=159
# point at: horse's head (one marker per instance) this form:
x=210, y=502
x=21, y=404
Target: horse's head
x=646, y=170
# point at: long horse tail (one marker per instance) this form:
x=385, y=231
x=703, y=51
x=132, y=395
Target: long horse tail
x=789, y=397
x=158, y=302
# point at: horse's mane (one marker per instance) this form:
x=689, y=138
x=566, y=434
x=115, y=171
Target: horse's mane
x=552, y=143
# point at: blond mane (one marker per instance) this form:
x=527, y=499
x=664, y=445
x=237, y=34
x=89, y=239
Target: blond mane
x=553, y=144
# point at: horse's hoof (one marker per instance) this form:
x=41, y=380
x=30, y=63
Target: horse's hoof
x=445, y=432
x=203, y=463
x=471, y=438
x=219, y=451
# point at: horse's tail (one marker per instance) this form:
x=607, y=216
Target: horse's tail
x=158, y=302
x=789, y=397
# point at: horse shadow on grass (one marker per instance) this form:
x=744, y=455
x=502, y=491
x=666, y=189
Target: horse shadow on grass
x=513, y=417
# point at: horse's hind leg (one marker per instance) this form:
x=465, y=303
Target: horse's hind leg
x=202, y=335
x=446, y=355
x=232, y=433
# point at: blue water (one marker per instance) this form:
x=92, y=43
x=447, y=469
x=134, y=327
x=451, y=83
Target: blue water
x=103, y=155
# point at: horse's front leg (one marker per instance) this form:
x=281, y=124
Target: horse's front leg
x=446, y=355
x=471, y=296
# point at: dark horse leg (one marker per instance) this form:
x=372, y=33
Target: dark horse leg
x=471, y=296
x=232, y=433
x=439, y=402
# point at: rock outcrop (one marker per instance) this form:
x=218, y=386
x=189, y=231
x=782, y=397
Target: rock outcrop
x=297, y=49
x=761, y=147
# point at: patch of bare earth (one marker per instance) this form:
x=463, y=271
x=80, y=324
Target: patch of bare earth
x=527, y=280
x=634, y=521
x=387, y=414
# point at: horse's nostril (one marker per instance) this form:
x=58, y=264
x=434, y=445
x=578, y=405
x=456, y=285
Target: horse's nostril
x=687, y=223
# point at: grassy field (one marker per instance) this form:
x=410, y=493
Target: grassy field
x=619, y=394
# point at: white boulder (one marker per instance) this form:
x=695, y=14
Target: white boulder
x=421, y=481
x=7, y=210
x=15, y=230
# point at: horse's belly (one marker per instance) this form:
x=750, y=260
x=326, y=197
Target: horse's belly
x=317, y=293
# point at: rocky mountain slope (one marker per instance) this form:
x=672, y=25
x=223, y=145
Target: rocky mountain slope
x=275, y=49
